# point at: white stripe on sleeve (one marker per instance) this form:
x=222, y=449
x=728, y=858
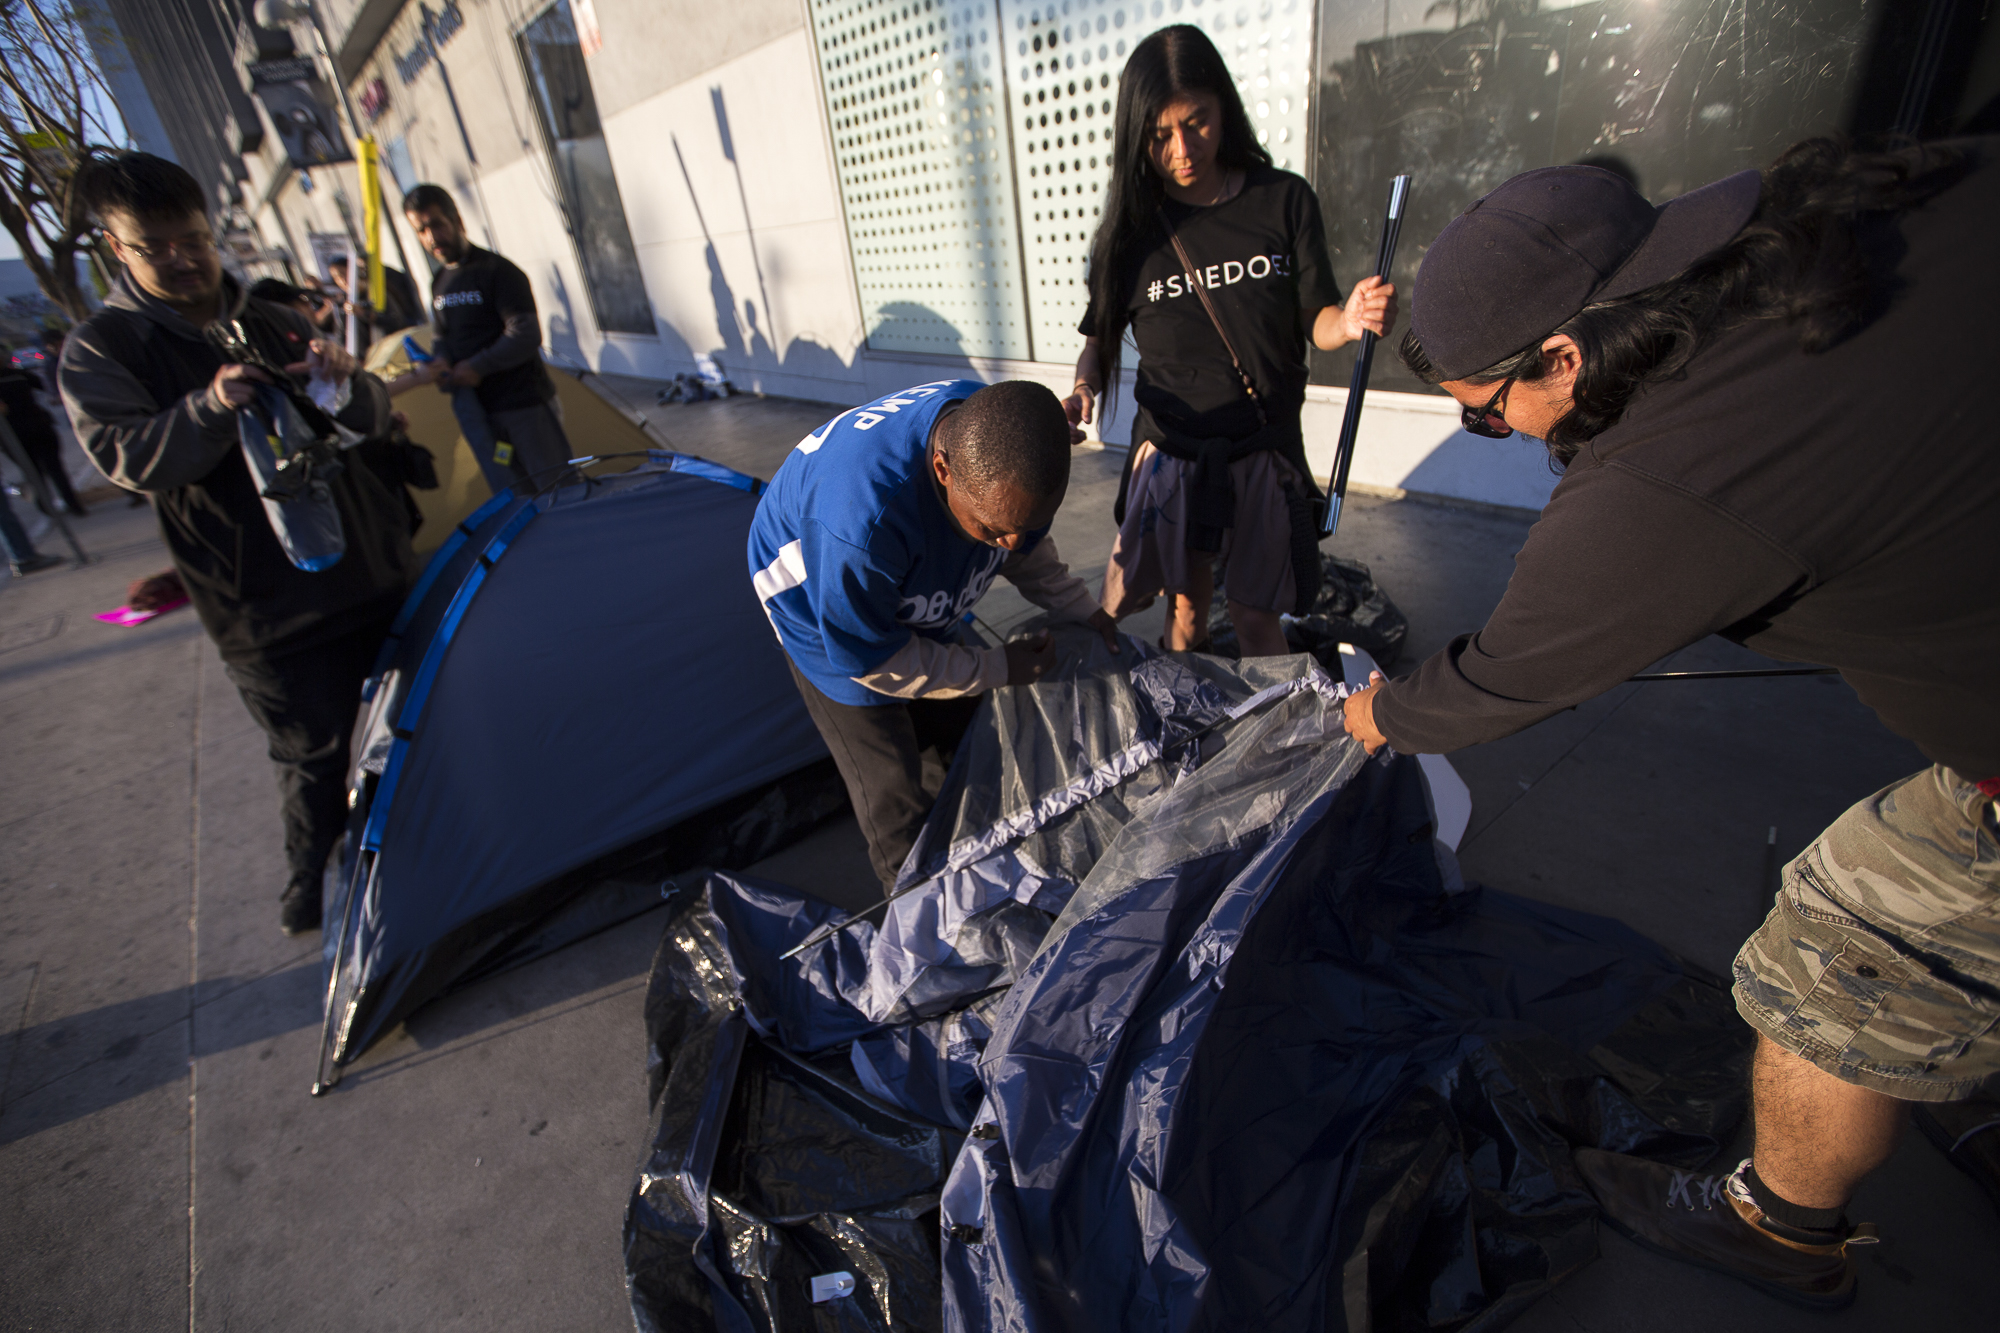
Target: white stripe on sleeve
x=786, y=572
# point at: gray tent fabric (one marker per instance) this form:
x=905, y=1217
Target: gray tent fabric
x=1187, y=1020
x=574, y=673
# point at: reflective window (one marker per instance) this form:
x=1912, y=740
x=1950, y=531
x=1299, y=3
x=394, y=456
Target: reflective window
x=593, y=212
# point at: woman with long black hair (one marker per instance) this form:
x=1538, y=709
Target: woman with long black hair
x=1216, y=261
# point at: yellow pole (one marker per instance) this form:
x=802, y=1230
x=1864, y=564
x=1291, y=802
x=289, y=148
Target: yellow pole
x=371, y=221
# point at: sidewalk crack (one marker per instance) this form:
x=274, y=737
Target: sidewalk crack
x=20, y=1032
x=194, y=963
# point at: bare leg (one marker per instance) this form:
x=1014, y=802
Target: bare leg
x=1817, y=1136
x=1259, y=632
x=1187, y=612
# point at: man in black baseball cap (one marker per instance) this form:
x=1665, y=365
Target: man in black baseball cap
x=1758, y=394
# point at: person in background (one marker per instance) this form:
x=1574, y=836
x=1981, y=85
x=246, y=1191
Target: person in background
x=401, y=308
x=489, y=339
x=36, y=430
x=155, y=406
x=1760, y=439
x=52, y=345
x=314, y=304
x=1218, y=471
x=22, y=557
x=877, y=536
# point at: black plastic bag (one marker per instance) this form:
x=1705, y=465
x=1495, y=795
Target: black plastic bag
x=1349, y=608
x=766, y=1170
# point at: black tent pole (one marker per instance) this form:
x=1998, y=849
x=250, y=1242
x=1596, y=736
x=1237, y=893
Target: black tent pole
x=1736, y=675
x=1357, y=387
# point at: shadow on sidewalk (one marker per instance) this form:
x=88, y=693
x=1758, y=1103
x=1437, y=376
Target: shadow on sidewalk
x=262, y=1008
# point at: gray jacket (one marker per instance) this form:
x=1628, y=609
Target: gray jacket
x=145, y=444
x=135, y=379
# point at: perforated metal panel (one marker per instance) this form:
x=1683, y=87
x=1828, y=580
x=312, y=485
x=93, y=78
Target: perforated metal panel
x=973, y=141
x=915, y=98
x=1063, y=63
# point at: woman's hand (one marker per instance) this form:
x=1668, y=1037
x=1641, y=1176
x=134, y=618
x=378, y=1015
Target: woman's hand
x=1079, y=407
x=1371, y=307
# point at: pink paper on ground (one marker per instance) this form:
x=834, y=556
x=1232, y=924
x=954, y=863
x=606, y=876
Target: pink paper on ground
x=126, y=617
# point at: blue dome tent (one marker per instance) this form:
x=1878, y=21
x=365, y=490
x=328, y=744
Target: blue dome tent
x=580, y=696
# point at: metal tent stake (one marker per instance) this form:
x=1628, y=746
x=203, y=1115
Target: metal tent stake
x=1357, y=388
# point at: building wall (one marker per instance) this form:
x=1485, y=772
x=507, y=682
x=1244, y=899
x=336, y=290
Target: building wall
x=746, y=258
x=654, y=45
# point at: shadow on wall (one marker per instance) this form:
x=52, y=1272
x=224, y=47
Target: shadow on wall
x=748, y=331
x=899, y=320
x=614, y=358
x=1514, y=471
x=563, y=343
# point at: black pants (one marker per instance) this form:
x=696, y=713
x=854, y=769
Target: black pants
x=44, y=446
x=879, y=751
x=306, y=703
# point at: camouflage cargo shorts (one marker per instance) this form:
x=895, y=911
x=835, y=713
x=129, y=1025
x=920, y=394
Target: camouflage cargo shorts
x=1881, y=961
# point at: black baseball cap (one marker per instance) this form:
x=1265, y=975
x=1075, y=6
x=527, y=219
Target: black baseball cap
x=275, y=290
x=1521, y=261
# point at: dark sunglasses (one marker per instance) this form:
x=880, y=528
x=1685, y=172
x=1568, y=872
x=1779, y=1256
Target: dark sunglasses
x=1485, y=420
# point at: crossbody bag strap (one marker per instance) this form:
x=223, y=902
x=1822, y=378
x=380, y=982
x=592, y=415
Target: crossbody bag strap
x=1201, y=290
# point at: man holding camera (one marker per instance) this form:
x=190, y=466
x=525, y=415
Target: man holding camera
x=155, y=404
x=1760, y=396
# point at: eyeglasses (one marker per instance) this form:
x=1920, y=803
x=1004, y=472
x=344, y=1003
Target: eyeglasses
x=1482, y=420
x=192, y=247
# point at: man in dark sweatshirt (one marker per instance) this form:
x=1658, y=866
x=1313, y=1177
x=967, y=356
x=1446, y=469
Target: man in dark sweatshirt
x=155, y=405
x=1761, y=396
x=489, y=341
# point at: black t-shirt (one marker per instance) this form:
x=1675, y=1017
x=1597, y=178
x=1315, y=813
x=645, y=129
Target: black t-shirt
x=1262, y=255
x=471, y=303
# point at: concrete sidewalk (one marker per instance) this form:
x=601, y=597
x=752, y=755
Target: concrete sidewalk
x=161, y=1165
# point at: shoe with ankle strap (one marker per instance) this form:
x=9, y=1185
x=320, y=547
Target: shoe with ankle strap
x=1712, y=1221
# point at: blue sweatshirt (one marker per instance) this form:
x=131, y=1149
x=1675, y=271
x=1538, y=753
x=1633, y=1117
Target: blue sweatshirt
x=852, y=550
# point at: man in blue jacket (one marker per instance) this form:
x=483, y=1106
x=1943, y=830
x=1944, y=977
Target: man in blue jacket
x=877, y=536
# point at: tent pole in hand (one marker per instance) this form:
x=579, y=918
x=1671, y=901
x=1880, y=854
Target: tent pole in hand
x=1357, y=387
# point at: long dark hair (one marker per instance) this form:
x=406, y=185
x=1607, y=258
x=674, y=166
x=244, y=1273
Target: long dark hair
x=1799, y=259
x=1167, y=66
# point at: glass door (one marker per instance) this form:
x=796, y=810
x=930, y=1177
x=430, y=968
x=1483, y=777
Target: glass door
x=580, y=160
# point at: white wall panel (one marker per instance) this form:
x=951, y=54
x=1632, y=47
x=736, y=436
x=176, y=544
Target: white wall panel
x=915, y=103
x=1064, y=58
x=938, y=107
x=734, y=213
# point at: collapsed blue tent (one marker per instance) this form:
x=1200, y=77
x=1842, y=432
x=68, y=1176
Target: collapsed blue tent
x=1186, y=1020
x=580, y=694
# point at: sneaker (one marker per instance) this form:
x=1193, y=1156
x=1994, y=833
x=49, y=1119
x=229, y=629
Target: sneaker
x=298, y=910
x=1712, y=1222
x=35, y=564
